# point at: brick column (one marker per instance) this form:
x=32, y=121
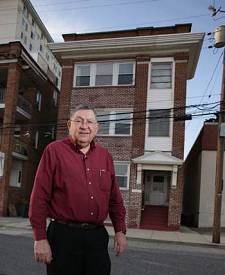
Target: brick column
x=7, y=132
x=65, y=98
x=175, y=203
x=138, y=142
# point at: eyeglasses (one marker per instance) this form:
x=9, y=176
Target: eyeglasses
x=79, y=121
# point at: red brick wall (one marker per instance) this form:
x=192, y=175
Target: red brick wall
x=175, y=202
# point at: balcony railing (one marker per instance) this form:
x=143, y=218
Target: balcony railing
x=24, y=104
x=20, y=147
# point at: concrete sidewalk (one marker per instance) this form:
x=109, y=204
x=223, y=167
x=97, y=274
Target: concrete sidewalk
x=21, y=226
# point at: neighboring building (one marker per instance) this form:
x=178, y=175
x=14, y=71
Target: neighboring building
x=199, y=187
x=123, y=74
x=28, y=103
x=20, y=22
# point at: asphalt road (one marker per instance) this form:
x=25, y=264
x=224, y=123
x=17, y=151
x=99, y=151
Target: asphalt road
x=141, y=258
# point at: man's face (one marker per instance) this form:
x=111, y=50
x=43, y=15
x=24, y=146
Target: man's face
x=83, y=127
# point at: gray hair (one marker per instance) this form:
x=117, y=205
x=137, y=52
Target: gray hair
x=82, y=107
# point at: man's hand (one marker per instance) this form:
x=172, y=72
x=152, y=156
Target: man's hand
x=42, y=252
x=120, y=243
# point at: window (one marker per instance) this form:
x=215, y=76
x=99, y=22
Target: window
x=159, y=123
x=32, y=35
x=38, y=100
x=41, y=48
x=25, y=40
x=122, y=174
x=21, y=35
x=161, y=75
x=83, y=75
x=30, y=47
x=26, y=27
x=114, y=122
x=102, y=74
x=125, y=73
x=33, y=22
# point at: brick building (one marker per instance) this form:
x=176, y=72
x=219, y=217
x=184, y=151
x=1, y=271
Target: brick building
x=136, y=80
x=28, y=100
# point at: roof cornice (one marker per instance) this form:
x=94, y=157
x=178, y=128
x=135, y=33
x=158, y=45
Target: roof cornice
x=132, y=46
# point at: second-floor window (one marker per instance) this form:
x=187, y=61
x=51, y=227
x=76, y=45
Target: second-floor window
x=113, y=123
x=159, y=123
x=104, y=74
x=161, y=75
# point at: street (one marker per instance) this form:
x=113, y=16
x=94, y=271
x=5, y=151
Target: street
x=141, y=258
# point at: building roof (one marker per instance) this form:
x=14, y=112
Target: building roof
x=130, y=46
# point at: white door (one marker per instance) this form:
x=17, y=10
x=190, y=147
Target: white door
x=156, y=188
x=16, y=173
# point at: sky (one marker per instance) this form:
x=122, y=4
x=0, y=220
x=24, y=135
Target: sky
x=80, y=16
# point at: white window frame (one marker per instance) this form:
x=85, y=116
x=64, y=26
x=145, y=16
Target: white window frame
x=112, y=117
x=93, y=73
x=162, y=60
x=128, y=173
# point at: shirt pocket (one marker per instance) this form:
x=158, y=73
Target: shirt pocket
x=105, y=181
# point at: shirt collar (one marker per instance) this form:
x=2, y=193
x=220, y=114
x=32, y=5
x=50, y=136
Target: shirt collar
x=77, y=147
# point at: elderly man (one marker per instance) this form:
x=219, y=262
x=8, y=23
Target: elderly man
x=75, y=186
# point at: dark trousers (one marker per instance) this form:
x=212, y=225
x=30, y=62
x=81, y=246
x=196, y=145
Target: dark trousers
x=78, y=251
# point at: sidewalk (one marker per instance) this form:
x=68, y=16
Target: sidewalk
x=21, y=226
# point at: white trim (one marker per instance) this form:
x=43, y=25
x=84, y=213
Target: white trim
x=136, y=191
x=6, y=61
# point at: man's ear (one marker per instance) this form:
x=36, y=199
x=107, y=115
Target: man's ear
x=68, y=124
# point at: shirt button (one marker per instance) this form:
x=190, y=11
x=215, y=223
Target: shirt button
x=89, y=183
x=88, y=169
x=92, y=197
x=92, y=213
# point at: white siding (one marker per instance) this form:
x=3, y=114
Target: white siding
x=8, y=20
x=159, y=99
x=207, y=191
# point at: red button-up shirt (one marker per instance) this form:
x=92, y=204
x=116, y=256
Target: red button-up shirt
x=71, y=186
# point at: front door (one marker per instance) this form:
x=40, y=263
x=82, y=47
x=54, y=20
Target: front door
x=156, y=188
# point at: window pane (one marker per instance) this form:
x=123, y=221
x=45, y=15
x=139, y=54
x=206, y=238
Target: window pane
x=83, y=75
x=122, y=181
x=125, y=79
x=103, y=80
x=104, y=72
x=126, y=68
x=83, y=70
x=103, y=119
x=159, y=123
x=83, y=81
x=125, y=73
x=121, y=169
x=122, y=127
x=161, y=75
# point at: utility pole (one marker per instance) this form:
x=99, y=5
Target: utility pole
x=220, y=149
